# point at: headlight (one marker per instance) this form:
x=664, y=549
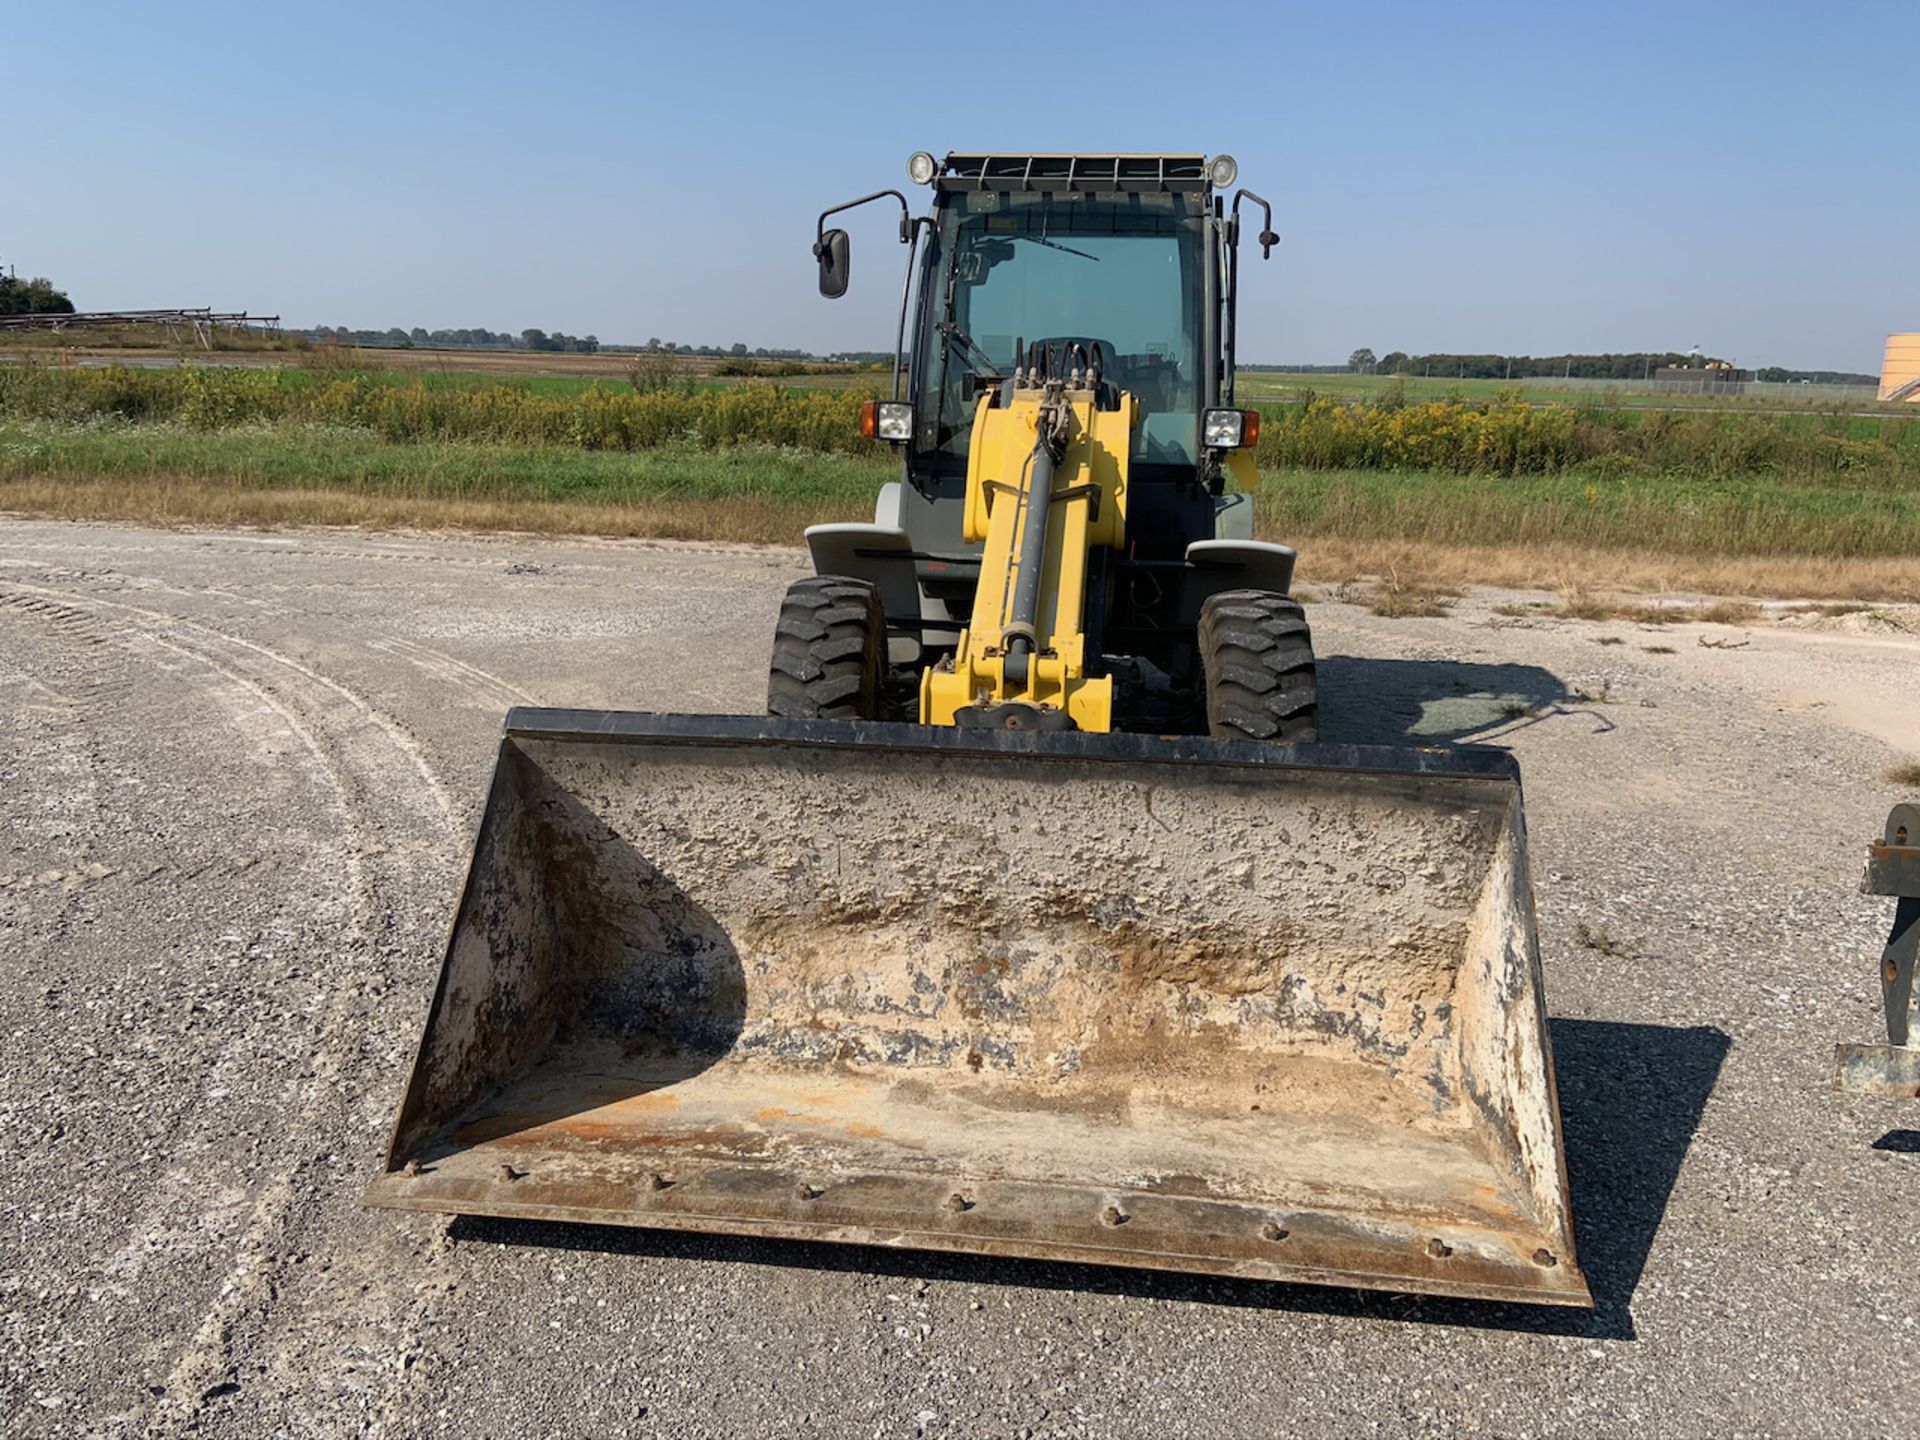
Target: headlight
x=1222, y=171
x=886, y=420
x=1230, y=429
x=893, y=420
x=921, y=167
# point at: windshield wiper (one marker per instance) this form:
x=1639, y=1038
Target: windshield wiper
x=966, y=342
x=1056, y=245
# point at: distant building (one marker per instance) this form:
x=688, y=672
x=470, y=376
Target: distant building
x=1900, y=371
x=1702, y=376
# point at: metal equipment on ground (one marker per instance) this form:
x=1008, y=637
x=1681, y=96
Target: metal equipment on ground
x=1893, y=868
x=1032, y=920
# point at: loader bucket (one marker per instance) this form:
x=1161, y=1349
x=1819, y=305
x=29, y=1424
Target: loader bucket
x=1176, y=1003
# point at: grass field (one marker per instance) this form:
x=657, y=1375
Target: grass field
x=1263, y=386
x=316, y=475
x=571, y=385
x=179, y=339
x=1503, y=435
x=1426, y=492
x=580, y=371
x=153, y=346
x=1423, y=528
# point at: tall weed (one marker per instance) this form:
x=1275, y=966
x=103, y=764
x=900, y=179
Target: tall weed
x=601, y=418
x=1503, y=436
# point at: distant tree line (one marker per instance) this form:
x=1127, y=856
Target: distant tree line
x=1285, y=369
x=737, y=350
x=477, y=339
x=32, y=297
x=484, y=339
x=1636, y=365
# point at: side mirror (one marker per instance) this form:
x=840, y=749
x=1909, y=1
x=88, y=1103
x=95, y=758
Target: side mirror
x=831, y=251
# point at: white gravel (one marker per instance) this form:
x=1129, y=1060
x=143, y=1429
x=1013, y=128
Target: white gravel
x=238, y=774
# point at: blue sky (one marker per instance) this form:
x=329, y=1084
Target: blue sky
x=1462, y=177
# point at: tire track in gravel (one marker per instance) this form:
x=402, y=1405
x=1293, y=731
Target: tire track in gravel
x=105, y=675
x=451, y=670
x=196, y=635
x=100, y=679
x=381, y=782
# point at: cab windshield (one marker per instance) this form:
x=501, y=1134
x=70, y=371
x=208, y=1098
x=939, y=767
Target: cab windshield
x=1120, y=275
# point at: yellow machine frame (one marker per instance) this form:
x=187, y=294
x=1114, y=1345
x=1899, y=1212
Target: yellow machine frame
x=1087, y=507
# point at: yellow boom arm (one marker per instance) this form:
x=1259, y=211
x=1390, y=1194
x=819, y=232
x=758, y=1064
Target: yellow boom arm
x=1084, y=504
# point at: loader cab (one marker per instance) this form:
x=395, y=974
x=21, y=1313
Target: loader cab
x=1123, y=277
x=1120, y=255
x=1123, y=264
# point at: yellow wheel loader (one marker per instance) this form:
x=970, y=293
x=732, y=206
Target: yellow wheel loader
x=1034, y=919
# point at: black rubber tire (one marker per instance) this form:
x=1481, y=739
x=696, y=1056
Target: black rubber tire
x=1256, y=654
x=829, y=651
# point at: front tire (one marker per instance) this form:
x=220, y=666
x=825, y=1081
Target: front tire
x=829, y=651
x=1256, y=654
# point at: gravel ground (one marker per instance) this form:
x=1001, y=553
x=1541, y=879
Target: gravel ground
x=238, y=774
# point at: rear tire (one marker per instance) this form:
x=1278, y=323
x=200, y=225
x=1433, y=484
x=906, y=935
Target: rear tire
x=1256, y=653
x=829, y=651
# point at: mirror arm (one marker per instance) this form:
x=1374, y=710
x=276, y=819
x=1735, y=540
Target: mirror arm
x=1267, y=238
x=1267, y=241
x=820, y=227
x=909, y=236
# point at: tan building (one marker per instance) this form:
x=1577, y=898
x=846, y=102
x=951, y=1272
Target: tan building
x=1900, y=371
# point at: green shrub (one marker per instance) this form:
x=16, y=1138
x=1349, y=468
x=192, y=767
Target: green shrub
x=1508, y=436
x=601, y=418
x=1504, y=436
